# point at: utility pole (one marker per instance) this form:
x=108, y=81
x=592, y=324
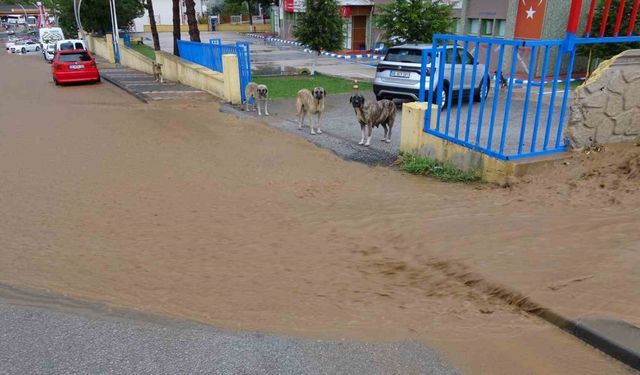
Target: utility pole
x=114, y=27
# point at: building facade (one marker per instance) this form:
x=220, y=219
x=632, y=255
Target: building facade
x=357, y=16
x=163, y=10
x=510, y=19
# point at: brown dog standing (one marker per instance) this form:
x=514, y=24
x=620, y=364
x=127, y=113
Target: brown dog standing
x=371, y=114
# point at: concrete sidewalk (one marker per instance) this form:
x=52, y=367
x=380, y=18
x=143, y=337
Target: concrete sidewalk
x=145, y=87
x=340, y=129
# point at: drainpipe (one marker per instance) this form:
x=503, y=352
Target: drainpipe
x=370, y=38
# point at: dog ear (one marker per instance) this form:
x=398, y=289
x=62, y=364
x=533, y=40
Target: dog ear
x=324, y=92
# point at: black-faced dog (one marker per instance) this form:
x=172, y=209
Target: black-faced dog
x=259, y=93
x=372, y=114
x=308, y=103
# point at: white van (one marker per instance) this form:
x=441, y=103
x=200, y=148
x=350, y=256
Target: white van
x=63, y=45
x=49, y=35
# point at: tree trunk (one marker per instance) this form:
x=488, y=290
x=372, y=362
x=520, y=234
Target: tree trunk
x=249, y=6
x=176, y=26
x=194, y=33
x=154, y=28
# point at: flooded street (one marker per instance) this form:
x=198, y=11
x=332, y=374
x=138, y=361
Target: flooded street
x=175, y=208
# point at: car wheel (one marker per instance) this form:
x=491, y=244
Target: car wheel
x=37, y=48
x=482, y=91
x=24, y=50
x=99, y=80
x=444, y=96
x=380, y=97
x=56, y=82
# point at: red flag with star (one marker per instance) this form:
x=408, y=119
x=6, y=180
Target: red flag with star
x=530, y=19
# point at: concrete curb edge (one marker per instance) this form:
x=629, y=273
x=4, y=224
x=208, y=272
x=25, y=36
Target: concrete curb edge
x=591, y=337
x=138, y=96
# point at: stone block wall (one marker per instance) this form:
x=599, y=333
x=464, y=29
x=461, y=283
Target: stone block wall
x=606, y=107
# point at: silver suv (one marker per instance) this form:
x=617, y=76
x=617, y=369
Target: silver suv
x=398, y=75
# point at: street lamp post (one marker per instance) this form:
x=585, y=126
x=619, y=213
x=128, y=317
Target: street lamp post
x=114, y=27
x=25, y=15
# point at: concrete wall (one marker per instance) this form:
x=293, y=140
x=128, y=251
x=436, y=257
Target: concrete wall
x=414, y=140
x=261, y=28
x=135, y=60
x=606, y=107
x=102, y=47
x=168, y=28
x=223, y=85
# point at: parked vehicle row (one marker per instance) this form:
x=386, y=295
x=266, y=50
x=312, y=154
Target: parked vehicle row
x=70, y=61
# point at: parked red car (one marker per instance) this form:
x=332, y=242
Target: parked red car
x=74, y=66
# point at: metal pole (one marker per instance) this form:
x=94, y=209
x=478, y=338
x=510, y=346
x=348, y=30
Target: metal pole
x=25, y=14
x=114, y=27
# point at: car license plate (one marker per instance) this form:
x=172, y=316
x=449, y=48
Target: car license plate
x=395, y=73
x=76, y=66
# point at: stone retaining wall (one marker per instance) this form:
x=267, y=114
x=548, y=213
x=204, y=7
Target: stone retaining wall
x=606, y=107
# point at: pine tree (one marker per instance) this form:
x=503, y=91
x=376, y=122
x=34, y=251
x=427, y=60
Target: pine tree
x=194, y=33
x=154, y=28
x=176, y=26
x=414, y=20
x=605, y=51
x=320, y=28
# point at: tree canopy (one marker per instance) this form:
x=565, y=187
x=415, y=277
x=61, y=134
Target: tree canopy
x=608, y=50
x=414, y=20
x=96, y=17
x=320, y=27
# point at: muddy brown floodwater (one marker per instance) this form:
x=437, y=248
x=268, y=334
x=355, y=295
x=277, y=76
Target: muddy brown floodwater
x=175, y=208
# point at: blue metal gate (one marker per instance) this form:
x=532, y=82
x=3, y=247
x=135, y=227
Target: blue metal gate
x=210, y=56
x=507, y=98
x=244, y=66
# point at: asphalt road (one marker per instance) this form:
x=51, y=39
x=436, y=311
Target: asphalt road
x=45, y=334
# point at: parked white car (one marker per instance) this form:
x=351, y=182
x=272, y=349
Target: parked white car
x=49, y=52
x=25, y=47
x=12, y=42
x=398, y=75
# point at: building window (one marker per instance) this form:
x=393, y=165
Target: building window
x=487, y=27
x=501, y=28
x=474, y=26
x=346, y=33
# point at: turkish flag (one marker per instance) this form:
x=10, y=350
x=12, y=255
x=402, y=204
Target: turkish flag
x=530, y=19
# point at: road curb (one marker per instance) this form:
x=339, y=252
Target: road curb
x=138, y=96
x=611, y=345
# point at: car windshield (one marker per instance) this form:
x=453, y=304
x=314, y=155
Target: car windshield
x=73, y=57
x=406, y=55
x=66, y=46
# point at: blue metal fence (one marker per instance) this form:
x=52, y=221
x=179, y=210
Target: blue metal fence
x=210, y=55
x=522, y=117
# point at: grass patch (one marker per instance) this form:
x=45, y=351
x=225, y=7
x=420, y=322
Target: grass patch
x=446, y=172
x=288, y=86
x=145, y=50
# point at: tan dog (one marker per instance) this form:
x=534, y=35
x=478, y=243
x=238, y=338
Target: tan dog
x=260, y=94
x=308, y=103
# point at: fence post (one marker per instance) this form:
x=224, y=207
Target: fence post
x=231, y=75
x=110, y=48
